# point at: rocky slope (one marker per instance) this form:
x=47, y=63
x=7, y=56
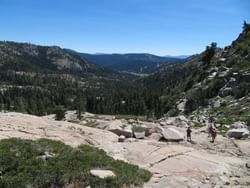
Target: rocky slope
x=33, y=127
x=25, y=56
x=224, y=163
x=215, y=83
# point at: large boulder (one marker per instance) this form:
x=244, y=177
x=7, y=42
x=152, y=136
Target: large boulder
x=217, y=101
x=121, y=138
x=181, y=105
x=179, y=121
x=155, y=136
x=226, y=91
x=239, y=125
x=119, y=128
x=170, y=133
x=131, y=121
x=139, y=135
x=238, y=133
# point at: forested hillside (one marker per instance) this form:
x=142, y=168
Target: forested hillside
x=215, y=83
x=42, y=80
x=39, y=80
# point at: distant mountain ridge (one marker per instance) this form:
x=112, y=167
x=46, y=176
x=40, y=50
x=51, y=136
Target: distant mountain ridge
x=178, y=56
x=42, y=79
x=28, y=57
x=130, y=62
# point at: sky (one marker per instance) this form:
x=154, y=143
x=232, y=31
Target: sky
x=161, y=27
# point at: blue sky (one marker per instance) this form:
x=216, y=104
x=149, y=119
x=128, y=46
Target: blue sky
x=162, y=27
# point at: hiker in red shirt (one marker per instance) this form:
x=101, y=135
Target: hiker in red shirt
x=213, y=133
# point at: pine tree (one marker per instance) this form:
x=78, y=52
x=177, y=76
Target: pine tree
x=60, y=113
x=81, y=106
x=209, y=52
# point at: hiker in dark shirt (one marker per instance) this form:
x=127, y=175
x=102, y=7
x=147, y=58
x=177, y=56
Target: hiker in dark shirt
x=189, y=134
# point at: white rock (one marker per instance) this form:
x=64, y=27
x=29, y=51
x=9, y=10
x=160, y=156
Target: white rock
x=139, y=135
x=238, y=133
x=32, y=127
x=239, y=125
x=181, y=105
x=170, y=133
x=118, y=128
x=131, y=121
x=179, y=121
x=102, y=173
x=121, y=138
x=222, y=59
x=155, y=136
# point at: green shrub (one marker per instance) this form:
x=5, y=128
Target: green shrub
x=60, y=113
x=140, y=129
x=173, y=112
x=248, y=122
x=22, y=164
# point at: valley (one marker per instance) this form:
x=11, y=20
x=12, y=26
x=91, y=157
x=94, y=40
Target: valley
x=120, y=120
x=132, y=62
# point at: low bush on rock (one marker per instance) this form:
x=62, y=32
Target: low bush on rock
x=47, y=163
x=140, y=129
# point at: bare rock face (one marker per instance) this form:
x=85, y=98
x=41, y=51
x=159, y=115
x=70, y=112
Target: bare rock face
x=224, y=163
x=67, y=63
x=62, y=59
x=170, y=133
x=32, y=127
x=102, y=173
x=175, y=165
x=119, y=128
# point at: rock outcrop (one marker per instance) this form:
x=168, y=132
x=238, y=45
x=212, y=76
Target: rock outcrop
x=119, y=128
x=169, y=133
x=224, y=163
x=33, y=127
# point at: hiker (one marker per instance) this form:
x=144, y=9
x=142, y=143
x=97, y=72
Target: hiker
x=209, y=130
x=213, y=133
x=189, y=134
x=210, y=127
